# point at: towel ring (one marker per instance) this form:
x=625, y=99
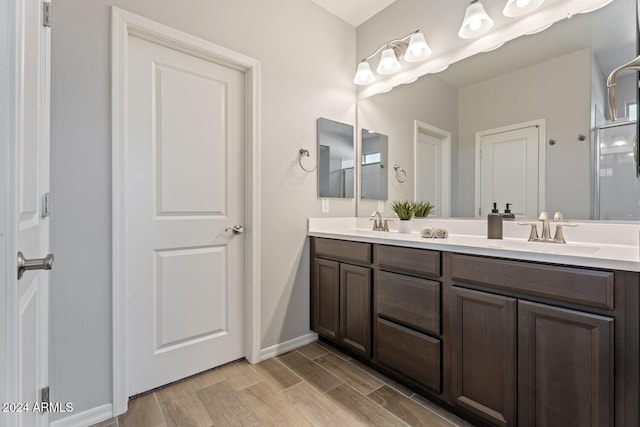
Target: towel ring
x=401, y=174
x=305, y=153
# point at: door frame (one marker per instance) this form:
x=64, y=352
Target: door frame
x=123, y=25
x=445, y=167
x=541, y=124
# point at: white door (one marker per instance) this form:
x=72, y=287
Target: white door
x=184, y=186
x=508, y=171
x=28, y=299
x=432, y=152
x=429, y=170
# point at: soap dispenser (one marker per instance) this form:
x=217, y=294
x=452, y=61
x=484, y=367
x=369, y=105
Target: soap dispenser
x=494, y=223
x=508, y=215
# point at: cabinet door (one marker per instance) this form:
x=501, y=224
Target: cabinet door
x=355, y=308
x=565, y=367
x=483, y=352
x=326, y=298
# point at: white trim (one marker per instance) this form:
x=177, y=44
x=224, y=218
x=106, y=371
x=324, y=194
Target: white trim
x=445, y=137
x=542, y=132
x=125, y=24
x=283, y=347
x=86, y=418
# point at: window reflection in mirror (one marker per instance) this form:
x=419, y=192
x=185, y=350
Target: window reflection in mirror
x=336, y=164
x=374, y=166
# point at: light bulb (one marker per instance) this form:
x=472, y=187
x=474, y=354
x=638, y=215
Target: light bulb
x=515, y=8
x=364, y=75
x=476, y=21
x=475, y=24
x=418, y=49
x=388, y=62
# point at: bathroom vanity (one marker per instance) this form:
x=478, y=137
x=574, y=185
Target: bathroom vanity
x=502, y=336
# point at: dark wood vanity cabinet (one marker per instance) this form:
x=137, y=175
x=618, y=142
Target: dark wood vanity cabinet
x=341, y=294
x=500, y=341
x=520, y=362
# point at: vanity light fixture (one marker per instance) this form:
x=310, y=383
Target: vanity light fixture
x=515, y=8
x=476, y=21
x=416, y=49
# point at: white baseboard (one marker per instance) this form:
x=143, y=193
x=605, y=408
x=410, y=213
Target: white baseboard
x=86, y=418
x=274, y=350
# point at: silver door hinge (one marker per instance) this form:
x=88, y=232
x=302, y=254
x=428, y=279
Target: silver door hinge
x=480, y=211
x=44, y=395
x=46, y=11
x=46, y=205
x=480, y=154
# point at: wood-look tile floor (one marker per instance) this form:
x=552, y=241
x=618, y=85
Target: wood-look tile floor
x=315, y=385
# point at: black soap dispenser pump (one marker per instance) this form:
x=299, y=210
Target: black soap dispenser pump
x=508, y=215
x=494, y=223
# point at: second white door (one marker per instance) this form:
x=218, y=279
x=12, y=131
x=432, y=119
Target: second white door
x=184, y=187
x=508, y=170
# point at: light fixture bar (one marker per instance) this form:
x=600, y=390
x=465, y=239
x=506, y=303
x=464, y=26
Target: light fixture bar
x=415, y=50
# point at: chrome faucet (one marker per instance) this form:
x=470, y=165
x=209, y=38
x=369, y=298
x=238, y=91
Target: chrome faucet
x=378, y=223
x=611, y=84
x=546, y=229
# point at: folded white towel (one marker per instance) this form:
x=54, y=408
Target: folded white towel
x=440, y=233
x=427, y=233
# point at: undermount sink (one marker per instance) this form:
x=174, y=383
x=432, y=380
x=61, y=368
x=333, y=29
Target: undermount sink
x=554, y=248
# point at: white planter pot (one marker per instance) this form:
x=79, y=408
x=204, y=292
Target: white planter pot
x=404, y=226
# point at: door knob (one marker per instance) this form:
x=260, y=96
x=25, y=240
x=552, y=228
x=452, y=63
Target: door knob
x=236, y=229
x=33, y=264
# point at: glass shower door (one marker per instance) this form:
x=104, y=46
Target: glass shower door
x=617, y=184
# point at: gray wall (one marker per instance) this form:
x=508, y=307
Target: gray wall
x=307, y=66
x=556, y=90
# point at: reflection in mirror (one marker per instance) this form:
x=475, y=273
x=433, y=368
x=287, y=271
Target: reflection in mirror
x=432, y=152
x=557, y=78
x=374, y=166
x=335, y=159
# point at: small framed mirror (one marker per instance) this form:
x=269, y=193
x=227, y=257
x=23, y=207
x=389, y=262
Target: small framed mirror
x=374, y=165
x=336, y=160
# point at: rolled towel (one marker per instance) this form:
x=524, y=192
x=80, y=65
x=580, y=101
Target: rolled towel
x=427, y=233
x=440, y=233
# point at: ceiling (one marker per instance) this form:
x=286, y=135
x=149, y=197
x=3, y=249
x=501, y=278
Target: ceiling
x=355, y=12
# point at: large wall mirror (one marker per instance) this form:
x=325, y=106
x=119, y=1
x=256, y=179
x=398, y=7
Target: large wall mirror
x=526, y=124
x=336, y=165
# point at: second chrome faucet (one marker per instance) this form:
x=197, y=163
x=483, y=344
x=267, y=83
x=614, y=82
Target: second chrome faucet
x=546, y=229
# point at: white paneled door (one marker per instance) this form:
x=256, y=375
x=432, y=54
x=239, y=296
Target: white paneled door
x=509, y=170
x=184, y=184
x=28, y=293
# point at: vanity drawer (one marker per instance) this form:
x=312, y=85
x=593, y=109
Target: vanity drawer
x=410, y=353
x=408, y=260
x=408, y=300
x=343, y=250
x=568, y=284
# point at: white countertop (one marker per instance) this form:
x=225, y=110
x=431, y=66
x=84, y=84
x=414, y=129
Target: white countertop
x=591, y=244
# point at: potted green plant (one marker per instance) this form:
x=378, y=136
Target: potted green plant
x=422, y=209
x=404, y=210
